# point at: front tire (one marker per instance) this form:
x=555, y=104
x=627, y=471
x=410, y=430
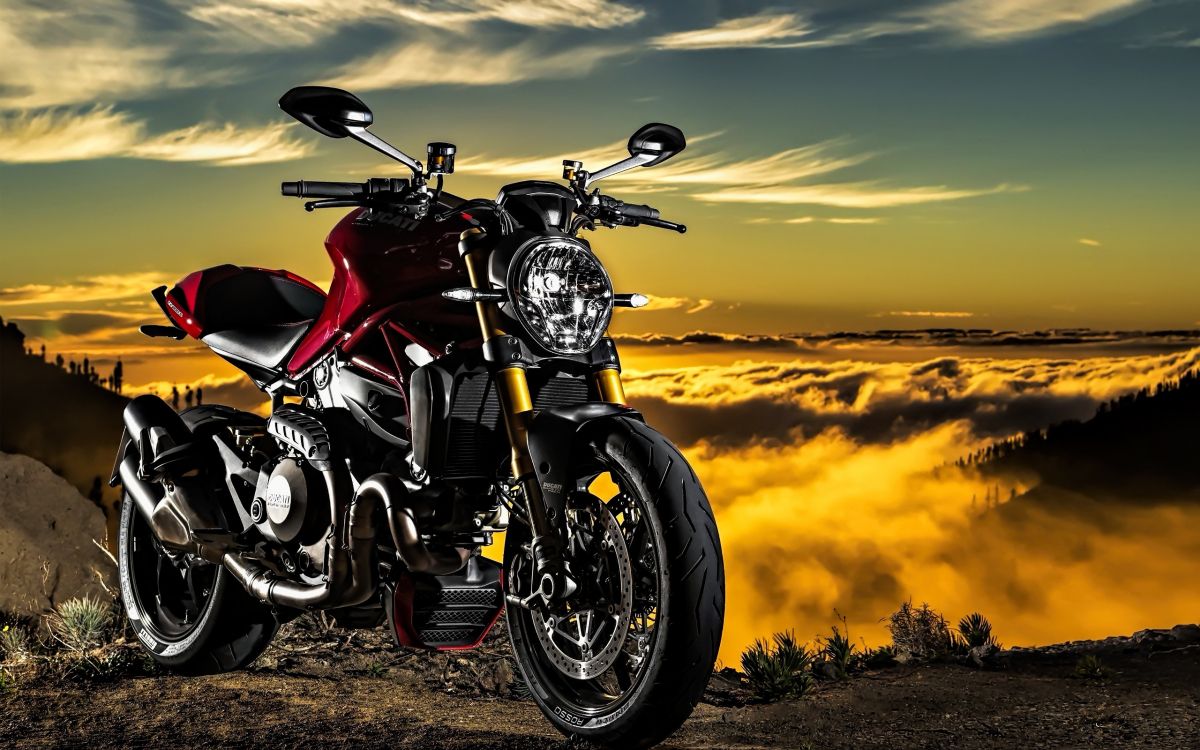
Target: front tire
x=189, y=615
x=681, y=578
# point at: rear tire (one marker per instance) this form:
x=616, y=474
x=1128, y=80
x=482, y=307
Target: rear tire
x=689, y=611
x=190, y=616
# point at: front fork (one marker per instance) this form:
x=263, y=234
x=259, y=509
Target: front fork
x=503, y=352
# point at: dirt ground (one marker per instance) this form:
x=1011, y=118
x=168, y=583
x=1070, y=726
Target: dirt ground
x=332, y=690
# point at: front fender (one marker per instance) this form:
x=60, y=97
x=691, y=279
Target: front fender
x=554, y=437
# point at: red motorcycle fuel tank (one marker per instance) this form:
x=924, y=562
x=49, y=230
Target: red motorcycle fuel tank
x=389, y=273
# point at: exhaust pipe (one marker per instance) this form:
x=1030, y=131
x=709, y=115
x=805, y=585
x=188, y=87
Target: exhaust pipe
x=178, y=508
x=403, y=524
x=351, y=563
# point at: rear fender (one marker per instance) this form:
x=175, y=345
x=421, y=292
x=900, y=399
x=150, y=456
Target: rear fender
x=556, y=438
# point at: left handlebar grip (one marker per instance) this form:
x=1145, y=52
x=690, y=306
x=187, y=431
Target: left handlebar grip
x=308, y=189
x=639, y=211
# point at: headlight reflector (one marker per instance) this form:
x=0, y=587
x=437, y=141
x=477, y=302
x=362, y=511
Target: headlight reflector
x=562, y=295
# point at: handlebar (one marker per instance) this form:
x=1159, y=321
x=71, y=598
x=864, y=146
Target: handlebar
x=314, y=189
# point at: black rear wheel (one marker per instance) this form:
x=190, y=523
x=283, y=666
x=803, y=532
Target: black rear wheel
x=190, y=615
x=625, y=660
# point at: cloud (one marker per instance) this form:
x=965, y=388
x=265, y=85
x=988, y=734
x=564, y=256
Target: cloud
x=1089, y=242
x=764, y=179
x=850, y=194
x=86, y=289
x=700, y=306
x=469, y=64
x=76, y=323
x=928, y=314
x=1006, y=20
x=849, y=220
x=880, y=402
x=102, y=132
x=1108, y=343
x=832, y=523
x=254, y=23
x=772, y=30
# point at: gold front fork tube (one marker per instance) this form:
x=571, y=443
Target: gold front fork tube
x=516, y=403
x=609, y=386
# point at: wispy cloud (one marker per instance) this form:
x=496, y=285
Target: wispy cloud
x=927, y=314
x=273, y=23
x=1006, y=20
x=468, y=64
x=735, y=179
x=103, y=132
x=855, y=220
x=850, y=194
x=763, y=30
x=86, y=289
x=1089, y=242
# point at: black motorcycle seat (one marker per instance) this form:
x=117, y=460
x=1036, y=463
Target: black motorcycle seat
x=266, y=346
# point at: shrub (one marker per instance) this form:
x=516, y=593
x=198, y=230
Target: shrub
x=975, y=631
x=81, y=624
x=1091, y=667
x=779, y=670
x=875, y=658
x=15, y=644
x=920, y=632
x=838, y=651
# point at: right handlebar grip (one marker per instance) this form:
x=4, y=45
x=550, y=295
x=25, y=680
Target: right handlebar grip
x=639, y=211
x=310, y=189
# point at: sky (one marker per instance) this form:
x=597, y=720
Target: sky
x=1025, y=171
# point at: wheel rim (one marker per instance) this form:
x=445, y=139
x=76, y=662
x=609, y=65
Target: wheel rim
x=594, y=691
x=172, y=589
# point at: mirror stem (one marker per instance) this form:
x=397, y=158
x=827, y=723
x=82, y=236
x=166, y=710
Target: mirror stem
x=634, y=161
x=362, y=135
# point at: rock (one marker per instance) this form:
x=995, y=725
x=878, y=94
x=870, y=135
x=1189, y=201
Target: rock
x=496, y=677
x=983, y=656
x=1186, y=633
x=47, y=553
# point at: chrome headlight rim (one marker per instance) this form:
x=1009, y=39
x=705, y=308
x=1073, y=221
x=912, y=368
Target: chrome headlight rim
x=518, y=270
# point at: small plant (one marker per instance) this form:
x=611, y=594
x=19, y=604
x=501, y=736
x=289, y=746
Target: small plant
x=876, y=658
x=14, y=643
x=82, y=624
x=1091, y=667
x=781, y=670
x=920, y=632
x=376, y=669
x=975, y=631
x=838, y=651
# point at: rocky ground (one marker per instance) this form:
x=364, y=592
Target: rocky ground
x=320, y=687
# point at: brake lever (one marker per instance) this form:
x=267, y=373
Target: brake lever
x=335, y=203
x=664, y=224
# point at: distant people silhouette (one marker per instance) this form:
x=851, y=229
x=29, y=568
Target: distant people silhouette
x=175, y=397
x=43, y=352
x=58, y=360
x=118, y=375
x=187, y=396
x=86, y=368
x=72, y=368
x=199, y=396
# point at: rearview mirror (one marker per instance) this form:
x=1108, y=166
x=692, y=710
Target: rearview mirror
x=337, y=114
x=656, y=140
x=329, y=111
x=649, y=145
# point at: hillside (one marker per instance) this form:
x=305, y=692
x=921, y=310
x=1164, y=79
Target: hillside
x=1140, y=448
x=61, y=419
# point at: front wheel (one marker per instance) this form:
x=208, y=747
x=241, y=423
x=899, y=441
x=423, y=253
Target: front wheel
x=188, y=614
x=626, y=658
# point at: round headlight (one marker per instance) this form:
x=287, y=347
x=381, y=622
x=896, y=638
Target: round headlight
x=562, y=295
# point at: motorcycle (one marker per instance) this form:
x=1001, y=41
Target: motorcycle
x=454, y=382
